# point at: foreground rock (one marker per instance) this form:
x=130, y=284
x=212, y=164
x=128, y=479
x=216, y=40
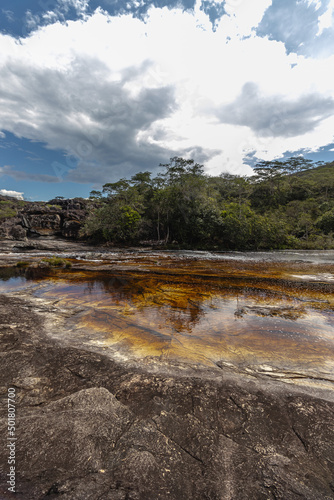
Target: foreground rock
x=89, y=428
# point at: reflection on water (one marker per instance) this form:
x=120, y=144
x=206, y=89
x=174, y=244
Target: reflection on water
x=249, y=317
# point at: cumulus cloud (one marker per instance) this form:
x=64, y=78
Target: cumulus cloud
x=80, y=110
x=274, y=115
x=122, y=94
x=79, y=5
x=13, y=194
x=32, y=20
x=325, y=21
x=301, y=25
x=53, y=11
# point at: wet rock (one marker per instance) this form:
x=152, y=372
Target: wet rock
x=90, y=428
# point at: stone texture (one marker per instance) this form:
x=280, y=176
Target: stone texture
x=12, y=229
x=62, y=217
x=92, y=429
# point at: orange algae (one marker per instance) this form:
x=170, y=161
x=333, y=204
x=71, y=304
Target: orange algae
x=257, y=315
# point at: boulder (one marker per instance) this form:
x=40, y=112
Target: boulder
x=12, y=229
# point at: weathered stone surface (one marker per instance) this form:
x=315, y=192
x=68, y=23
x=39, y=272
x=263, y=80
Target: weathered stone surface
x=89, y=428
x=43, y=223
x=12, y=229
x=56, y=218
x=71, y=228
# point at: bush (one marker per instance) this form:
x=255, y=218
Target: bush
x=7, y=210
x=22, y=263
x=57, y=262
x=326, y=222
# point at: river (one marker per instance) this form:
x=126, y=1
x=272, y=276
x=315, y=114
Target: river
x=267, y=313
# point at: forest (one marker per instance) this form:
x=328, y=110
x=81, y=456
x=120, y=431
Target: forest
x=285, y=204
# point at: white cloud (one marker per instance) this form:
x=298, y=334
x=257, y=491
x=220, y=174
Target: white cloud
x=9, y=15
x=316, y=3
x=325, y=21
x=32, y=20
x=276, y=116
x=122, y=94
x=244, y=15
x=79, y=5
x=13, y=194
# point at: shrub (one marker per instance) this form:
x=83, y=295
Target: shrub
x=57, y=262
x=22, y=263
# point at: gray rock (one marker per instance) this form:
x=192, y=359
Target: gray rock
x=63, y=217
x=89, y=428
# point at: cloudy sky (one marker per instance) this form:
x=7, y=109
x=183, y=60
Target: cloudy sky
x=95, y=90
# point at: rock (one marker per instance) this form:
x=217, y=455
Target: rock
x=12, y=229
x=44, y=224
x=90, y=428
x=37, y=219
x=18, y=233
x=71, y=228
x=69, y=204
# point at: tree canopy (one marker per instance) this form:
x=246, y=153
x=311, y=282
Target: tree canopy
x=285, y=204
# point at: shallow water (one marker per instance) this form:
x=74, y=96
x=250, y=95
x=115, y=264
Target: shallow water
x=102, y=254
x=273, y=318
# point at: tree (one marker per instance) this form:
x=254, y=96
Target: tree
x=326, y=222
x=179, y=169
x=284, y=205
x=95, y=195
x=116, y=223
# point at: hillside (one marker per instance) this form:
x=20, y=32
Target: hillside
x=318, y=173
x=286, y=204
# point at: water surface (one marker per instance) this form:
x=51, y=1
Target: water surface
x=272, y=318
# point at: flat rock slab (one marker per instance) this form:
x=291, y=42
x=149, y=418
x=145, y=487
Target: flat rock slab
x=91, y=428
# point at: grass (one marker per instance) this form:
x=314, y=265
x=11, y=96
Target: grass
x=22, y=263
x=57, y=262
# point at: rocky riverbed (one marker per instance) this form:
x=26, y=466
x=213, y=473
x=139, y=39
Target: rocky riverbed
x=112, y=406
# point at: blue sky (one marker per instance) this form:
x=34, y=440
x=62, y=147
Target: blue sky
x=95, y=90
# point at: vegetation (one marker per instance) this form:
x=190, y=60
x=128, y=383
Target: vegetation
x=285, y=204
x=22, y=263
x=57, y=262
x=54, y=207
x=7, y=209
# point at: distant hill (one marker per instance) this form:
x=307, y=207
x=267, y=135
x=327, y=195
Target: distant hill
x=318, y=172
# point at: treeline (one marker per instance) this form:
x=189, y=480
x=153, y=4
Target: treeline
x=285, y=204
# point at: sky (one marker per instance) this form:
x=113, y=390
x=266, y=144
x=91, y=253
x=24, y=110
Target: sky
x=92, y=91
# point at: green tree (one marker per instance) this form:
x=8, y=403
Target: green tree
x=326, y=222
x=287, y=203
